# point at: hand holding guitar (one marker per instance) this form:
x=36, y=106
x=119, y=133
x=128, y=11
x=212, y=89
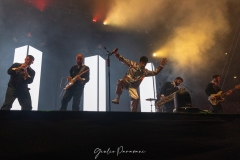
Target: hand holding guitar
x=163, y=97
x=229, y=92
x=80, y=79
x=69, y=78
x=215, y=98
x=73, y=80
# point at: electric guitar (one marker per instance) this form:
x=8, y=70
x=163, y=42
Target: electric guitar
x=215, y=98
x=73, y=80
x=167, y=98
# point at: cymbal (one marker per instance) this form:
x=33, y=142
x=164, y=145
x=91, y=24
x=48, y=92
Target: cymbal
x=151, y=99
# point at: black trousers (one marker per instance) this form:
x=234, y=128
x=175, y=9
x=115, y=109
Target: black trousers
x=23, y=96
x=169, y=106
x=217, y=108
x=70, y=93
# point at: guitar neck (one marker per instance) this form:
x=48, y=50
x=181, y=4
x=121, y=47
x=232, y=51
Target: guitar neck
x=225, y=93
x=79, y=74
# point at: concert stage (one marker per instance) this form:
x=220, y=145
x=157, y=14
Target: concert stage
x=118, y=135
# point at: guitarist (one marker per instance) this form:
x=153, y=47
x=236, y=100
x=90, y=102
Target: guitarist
x=213, y=88
x=167, y=89
x=76, y=90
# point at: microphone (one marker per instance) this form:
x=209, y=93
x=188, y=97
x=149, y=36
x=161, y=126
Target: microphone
x=116, y=49
x=110, y=53
x=187, y=88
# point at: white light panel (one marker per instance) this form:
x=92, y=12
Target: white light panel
x=19, y=56
x=35, y=85
x=102, y=84
x=95, y=90
x=148, y=90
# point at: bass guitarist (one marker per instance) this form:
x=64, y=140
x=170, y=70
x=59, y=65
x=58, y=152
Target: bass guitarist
x=213, y=88
x=167, y=89
x=75, y=91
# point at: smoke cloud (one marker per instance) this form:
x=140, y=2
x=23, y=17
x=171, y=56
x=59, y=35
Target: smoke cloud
x=190, y=27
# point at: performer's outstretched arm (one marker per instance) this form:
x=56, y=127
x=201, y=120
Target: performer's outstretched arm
x=124, y=60
x=156, y=71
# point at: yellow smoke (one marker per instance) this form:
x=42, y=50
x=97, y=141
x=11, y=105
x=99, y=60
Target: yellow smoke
x=133, y=13
x=192, y=25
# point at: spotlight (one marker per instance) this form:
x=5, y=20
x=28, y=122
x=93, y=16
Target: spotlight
x=154, y=54
x=104, y=23
x=183, y=103
x=94, y=20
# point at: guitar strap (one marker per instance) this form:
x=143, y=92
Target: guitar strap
x=81, y=70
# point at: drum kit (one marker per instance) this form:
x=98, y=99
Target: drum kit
x=151, y=99
x=157, y=109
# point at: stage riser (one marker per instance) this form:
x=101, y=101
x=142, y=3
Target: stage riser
x=78, y=134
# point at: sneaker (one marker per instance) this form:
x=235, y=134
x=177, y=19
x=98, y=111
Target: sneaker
x=115, y=101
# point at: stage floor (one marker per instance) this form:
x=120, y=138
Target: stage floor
x=118, y=135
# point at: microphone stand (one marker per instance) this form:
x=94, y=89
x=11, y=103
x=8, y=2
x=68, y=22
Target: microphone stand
x=108, y=65
x=159, y=96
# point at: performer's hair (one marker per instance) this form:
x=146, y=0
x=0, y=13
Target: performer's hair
x=144, y=59
x=179, y=78
x=215, y=76
x=30, y=56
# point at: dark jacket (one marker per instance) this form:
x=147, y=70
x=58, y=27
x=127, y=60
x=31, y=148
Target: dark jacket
x=75, y=71
x=168, y=88
x=211, y=88
x=17, y=79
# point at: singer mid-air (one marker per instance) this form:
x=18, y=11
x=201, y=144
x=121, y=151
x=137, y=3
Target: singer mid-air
x=133, y=78
x=21, y=76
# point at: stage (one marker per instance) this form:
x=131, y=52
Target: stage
x=118, y=135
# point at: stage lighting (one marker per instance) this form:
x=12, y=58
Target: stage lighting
x=94, y=98
x=147, y=91
x=182, y=99
x=105, y=22
x=183, y=103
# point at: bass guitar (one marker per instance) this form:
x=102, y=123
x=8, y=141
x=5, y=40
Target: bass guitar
x=73, y=80
x=218, y=97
